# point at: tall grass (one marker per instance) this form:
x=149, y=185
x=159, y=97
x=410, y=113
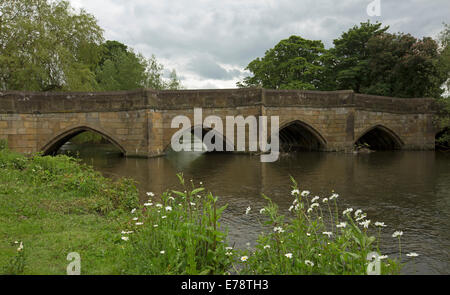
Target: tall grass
x=178, y=234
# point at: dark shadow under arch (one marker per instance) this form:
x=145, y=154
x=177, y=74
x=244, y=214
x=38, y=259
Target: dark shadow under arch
x=379, y=137
x=442, y=145
x=52, y=147
x=300, y=136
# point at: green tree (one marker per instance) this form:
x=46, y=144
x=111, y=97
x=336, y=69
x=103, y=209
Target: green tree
x=444, y=65
x=350, y=67
x=401, y=65
x=46, y=45
x=154, y=74
x=174, y=82
x=119, y=68
x=294, y=63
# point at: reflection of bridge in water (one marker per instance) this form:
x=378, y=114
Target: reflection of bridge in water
x=139, y=122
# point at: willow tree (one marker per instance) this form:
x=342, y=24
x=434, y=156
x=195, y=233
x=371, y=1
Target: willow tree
x=47, y=45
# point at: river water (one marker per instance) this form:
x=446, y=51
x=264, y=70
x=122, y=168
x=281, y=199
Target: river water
x=408, y=191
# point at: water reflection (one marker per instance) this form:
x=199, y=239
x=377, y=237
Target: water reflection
x=408, y=191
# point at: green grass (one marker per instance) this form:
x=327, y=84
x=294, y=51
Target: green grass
x=55, y=206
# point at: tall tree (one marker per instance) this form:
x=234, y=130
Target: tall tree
x=293, y=63
x=46, y=45
x=174, y=82
x=403, y=66
x=119, y=68
x=350, y=68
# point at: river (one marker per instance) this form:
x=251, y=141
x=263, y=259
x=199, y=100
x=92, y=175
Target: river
x=408, y=191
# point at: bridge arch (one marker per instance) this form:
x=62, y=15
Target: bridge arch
x=439, y=134
x=52, y=146
x=227, y=144
x=379, y=137
x=298, y=135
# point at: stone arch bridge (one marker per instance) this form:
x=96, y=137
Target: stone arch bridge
x=139, y=122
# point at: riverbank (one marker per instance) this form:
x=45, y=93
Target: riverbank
x=54, y=206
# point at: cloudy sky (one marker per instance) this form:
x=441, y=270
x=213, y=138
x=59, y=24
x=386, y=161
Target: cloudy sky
x=210, y=42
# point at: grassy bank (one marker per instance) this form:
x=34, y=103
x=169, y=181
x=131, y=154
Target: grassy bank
x=54, y=206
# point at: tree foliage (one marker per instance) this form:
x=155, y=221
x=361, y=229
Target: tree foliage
x=366, y=59
x=46, y=45
x=444, y=64
x=293, y=63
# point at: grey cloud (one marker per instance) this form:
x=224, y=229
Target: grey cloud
x=207, y=68
x=234, y=32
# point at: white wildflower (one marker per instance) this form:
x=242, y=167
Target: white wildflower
x=278, y=229
x=295, y=192
x=325, y=200
x=328, y=233
x=305, y=193
x=247, y=210
x=288, y=255
x=148, y=204
x=139, y=223
x=162, y=252
x=262, y=210
x=244, y=258
x=132, y=211
x=266, y=246
x=365, y=223
x=159, y=205
x=150, y=194
x=380, y=224
x=412, y=254
x=347, y=211
x=341, y=225
x=361, y=217
x=125, y=238
x=168, y=208
x=334, y=196
x=397, y=234
x=315, y=199
x=309, y=263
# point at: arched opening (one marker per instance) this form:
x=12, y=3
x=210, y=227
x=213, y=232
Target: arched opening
x=74, y=140
x=207, y=146
x=379, y=138
x=442, y=139
x=299, y=136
